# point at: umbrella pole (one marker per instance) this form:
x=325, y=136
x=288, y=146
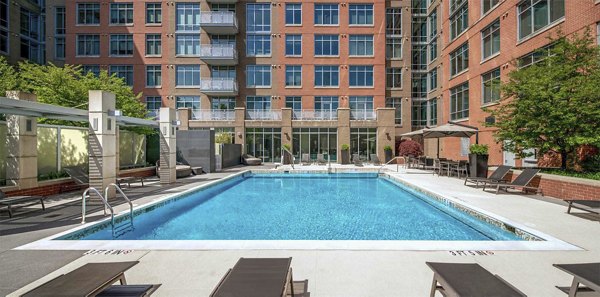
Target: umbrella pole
x=438, y=148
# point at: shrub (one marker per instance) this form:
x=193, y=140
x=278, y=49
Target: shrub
x=345, y=147
x=410, y=148
x=223, y=138
x=387, y=148
x=287, y=147
x=591, y=163
x=479, y=149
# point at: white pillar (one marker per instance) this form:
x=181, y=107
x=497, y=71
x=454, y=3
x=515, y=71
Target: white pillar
x=102, y=140
x=21, y=159
x=168, y=145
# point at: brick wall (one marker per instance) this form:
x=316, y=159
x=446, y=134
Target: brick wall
x=564, y=187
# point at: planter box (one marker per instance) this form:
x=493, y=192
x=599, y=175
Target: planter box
x=345, y=157
x=388, y=156
x=478, y=165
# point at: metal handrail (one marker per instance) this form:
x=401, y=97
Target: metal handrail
x=124, y=196
x=106, y=205
x=388, y=162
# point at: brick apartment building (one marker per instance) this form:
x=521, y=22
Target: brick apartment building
x=313, y=74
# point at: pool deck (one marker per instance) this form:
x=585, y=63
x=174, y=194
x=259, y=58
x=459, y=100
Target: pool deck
x=329, y=272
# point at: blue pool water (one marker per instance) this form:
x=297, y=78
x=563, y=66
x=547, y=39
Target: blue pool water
x=304, y=207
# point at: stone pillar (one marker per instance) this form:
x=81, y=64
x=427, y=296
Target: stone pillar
x=21, y=134
x=343, y=132
x=240, y=127
x=168, y=146
x=102, y=141
x=184, y=115
x=386, y=131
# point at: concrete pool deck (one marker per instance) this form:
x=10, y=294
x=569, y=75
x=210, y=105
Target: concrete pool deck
x=330, y=273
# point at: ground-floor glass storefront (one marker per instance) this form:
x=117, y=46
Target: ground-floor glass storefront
x=363, y=141
x=264, y=143
x=315, y=141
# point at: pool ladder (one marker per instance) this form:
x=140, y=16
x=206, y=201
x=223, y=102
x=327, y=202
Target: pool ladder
x=116, y=229
x=390, y=161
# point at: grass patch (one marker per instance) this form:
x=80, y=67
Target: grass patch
x=586, y=175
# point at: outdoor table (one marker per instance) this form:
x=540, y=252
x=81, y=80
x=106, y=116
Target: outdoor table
x=587, y=274
x=449, y=164
x=257, y=277
x=87, y=280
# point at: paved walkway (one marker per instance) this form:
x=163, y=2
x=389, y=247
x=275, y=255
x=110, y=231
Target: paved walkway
x=330, y=273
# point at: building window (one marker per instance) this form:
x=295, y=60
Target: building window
x=187, y=44
x=258, y=76
x=258, y=102
x=187, y=17
x=314, y=141
x=459, y=102
x=433, y=118
x=327, y=76
x=153, y=76
x=227, y=72
x=94, y=69
x=393, y=78
x=258, y=17
x=121, y=13
x=459, y=59
x=361, y=108
x=153, y=45
x=4, y=26
x=326, y=103
x=293, y=45
x=433, y=50
x=222, y=103
x=459, y=17
x=258, y=45
x=361, y=76
x=3, y=41
x=59, y=48
x=326, y=14
x=535, y=56
x=153, y=13
x=419, y=57
x=327, y=45
x=490, y=39
x=363, y=142
x=123, y=71
x=293, y=75
x=361, y=45
x=487, y=5
x=88, y=13
x=396, y=103
x=419, y=85
x=393, y=21
x=187, y=75
x=361, y=14
x=192, y=102
x=433, y=79
x=432, y=23
x=222, y=39
x=293, y=14
x=490, y=86
x=535, y=15
x=121, y=45
x=230, y=7
x=88, y=45
x=153, y=105
x=393, y=47
x=293, y=102
x=264, y=143
x=59, y=20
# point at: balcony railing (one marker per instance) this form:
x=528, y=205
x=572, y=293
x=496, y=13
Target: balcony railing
x=265, y=115
x=213, y=115
x=217, y=85
x=220, y=51
x=218, y=18
x=362, y=115
x=314, y=115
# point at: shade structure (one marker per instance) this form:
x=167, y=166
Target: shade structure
x=416, y=133
x=449, y=130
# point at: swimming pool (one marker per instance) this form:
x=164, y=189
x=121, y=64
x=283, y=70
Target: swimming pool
x=346, y=206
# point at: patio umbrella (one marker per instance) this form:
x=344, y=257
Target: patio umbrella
x=448, y=130
x=416, y=133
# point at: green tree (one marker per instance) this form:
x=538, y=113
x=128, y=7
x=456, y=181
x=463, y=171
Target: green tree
x=554, y=104
x=8, y=77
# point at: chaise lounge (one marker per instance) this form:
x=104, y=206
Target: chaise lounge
x=251, y=160
x=587, y=274
x=496, y=177
x=356, y=160
x=321, y=159
x=375, y=160
x=522, y=181
x=591, y=206
x=22, y=201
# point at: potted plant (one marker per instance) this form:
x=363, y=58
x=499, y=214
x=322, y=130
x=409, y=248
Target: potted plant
x=478, y=160
x=388, y=153
x=345, y=154
x=287, y=156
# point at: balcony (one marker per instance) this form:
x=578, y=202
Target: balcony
x=213, y=115
x=219, y=22
x=314, y=115
x=362, y=115
x=218, y=55
x=263, y=115
x=219, y=86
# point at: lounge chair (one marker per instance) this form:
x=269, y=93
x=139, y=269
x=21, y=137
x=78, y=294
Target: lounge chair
x=356, y=160
x=463, y=279
x=79, y=175
x=496, y=177
x=305, y=159
x=587, y=274
x=321, y=159
x=251, y=160
x=591, y=206
x=375, y=159
x=522, y=181
x=22, y=201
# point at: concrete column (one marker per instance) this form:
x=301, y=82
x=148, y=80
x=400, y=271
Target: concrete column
x=168, y=146
x=102, y=139
x=286, y=127
x=343, y=132
x=21, y=134
x=240, y=127
x=184, y=116
x=386, y=131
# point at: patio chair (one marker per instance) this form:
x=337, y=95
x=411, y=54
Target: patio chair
x=305, y=159
x=522, y=181
x=465, y=279
x=461, y=167
x=591, y=206
x=496, y=176
x=356, y=160
x=375, y=159
x=321, y=159
x=587, y=274
x=22, y=201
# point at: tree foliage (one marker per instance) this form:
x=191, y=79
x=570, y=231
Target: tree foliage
x=554, y=104
x=409, y=147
